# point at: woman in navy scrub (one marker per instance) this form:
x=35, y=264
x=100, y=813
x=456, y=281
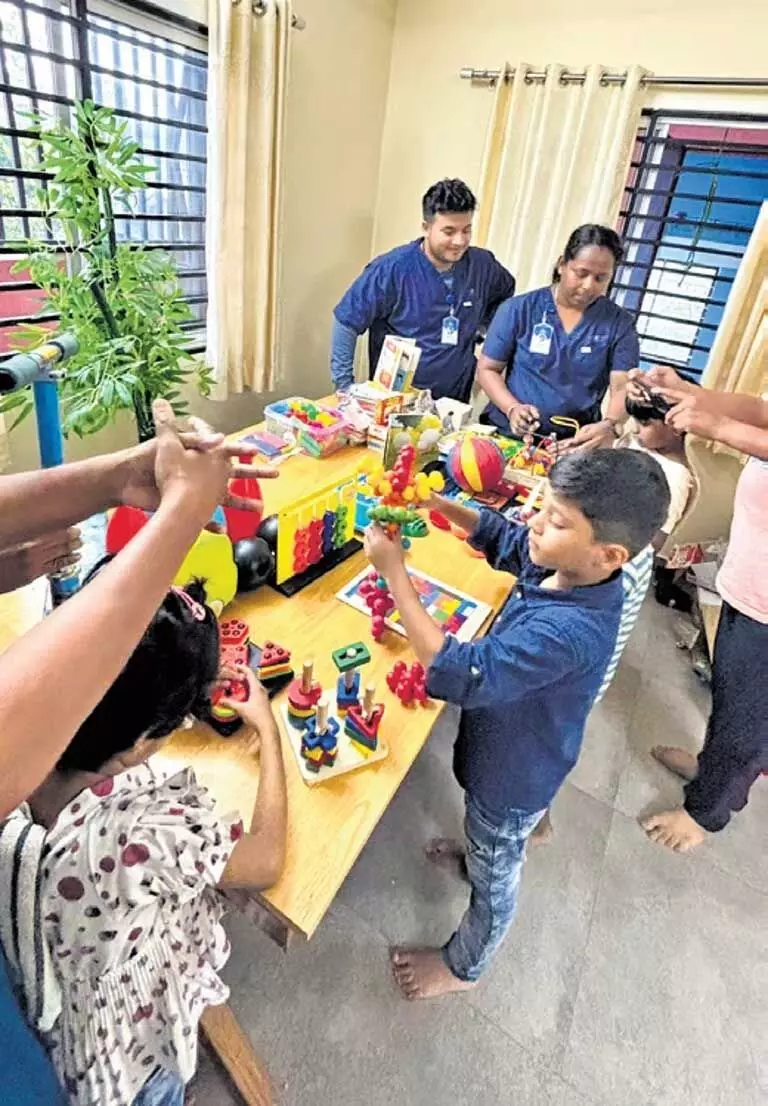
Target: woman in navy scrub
x=558, y=350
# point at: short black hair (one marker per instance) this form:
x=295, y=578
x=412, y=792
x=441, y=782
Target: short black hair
x=622, y=492
x=447, y=197
x=590, y=234
x=168, y=676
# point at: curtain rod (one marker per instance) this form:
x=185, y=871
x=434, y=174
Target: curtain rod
x=259, y=7
x=572, y=77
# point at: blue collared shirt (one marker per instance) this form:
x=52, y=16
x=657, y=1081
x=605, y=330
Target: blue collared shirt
x=570, y=374
x=401, y=292
x=527, y=687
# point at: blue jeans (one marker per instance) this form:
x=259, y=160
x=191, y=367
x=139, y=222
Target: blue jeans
x=161, y=1089
x=495, y=858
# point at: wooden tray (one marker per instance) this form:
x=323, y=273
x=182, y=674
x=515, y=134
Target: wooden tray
x=348, y=758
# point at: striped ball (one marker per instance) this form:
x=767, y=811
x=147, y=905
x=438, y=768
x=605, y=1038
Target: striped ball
x=476, y=464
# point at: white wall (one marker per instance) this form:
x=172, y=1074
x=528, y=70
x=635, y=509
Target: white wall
x=436, y=122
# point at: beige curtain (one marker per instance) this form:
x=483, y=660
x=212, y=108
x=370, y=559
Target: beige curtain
x=248, y=72
x=738, y=361
x=556, y=156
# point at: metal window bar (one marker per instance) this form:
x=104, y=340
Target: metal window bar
x=703, y=169
x=708, y=256
x=177, y=81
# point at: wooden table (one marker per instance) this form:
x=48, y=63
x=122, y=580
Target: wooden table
x=340, y=813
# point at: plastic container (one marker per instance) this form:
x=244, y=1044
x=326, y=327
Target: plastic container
x=278, y=417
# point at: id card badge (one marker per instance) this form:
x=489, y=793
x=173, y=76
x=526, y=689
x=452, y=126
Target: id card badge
x=541, y=338
x=450, y=331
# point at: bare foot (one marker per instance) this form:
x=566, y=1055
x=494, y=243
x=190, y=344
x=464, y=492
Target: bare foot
x=675, y=829
x=680, y=762
x=422, y=973
x=544, y=831
x=449, y=855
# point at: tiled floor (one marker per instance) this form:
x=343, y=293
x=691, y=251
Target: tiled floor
x=633, y=977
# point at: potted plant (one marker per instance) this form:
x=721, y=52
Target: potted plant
x=122, y=301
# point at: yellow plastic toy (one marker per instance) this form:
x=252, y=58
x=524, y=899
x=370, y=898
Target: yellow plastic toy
x=211, y=560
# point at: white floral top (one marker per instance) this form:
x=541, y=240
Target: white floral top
x=134, y=926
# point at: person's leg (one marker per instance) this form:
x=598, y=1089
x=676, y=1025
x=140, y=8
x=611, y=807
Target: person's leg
x=735, y=749
x=163, y=1088
x=494, y=858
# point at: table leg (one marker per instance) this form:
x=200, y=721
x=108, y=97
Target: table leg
x=223, y=1033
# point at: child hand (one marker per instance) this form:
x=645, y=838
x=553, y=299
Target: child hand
x=384, y=553
x=255, y=711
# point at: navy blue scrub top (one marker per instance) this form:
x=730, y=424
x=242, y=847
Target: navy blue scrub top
x=572, y=375
x=401, y=292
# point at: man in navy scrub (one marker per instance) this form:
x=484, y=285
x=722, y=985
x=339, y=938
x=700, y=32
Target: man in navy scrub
x=438, y=290
x=557, y=350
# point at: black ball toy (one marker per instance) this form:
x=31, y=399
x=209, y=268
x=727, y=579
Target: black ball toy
x=255, y=563
x=268, y=531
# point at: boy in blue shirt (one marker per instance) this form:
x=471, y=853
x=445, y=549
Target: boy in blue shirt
x=438, y=290
x=527, y=687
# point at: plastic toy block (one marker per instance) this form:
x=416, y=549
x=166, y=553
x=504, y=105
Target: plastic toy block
x=275, y=661
x=409, y=685
x=273, y=672
x=222, y=718
x=362, y=729
x=325, y=743
x=329, y=521
x=347, y=697
x=233, y=632
x=233, y=636
x=301, y=700
x=299, y=719
x=272, y=653
x=351, y=656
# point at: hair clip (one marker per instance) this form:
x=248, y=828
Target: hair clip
x=197, y=609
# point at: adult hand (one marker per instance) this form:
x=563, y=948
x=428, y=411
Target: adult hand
x=523, y=418
x=595, y=435
x=694, y=413
x=138, y=484
x=199, y=478
x=25, y=562
x=660, y=378
x=384, y=553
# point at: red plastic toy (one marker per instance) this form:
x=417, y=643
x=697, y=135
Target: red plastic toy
x=378, y=601
x=408, y=684
x=244, y=524
x=233, y=637
x=124, y=524
x=223, y=719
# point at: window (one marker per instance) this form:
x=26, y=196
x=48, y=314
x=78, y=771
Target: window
x=692, y=198
x=153, y=73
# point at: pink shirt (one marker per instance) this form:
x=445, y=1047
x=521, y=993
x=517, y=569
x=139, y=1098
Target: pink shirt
x=743, y=579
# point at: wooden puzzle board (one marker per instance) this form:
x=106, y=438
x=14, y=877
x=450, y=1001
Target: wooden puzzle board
x=348, y=758
x=452, y=610
x=311, y=508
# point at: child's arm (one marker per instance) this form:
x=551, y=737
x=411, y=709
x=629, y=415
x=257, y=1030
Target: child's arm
x=503, y=543
x=466, y=518
x=503, y=667
x=258, y=858
x=426, y=637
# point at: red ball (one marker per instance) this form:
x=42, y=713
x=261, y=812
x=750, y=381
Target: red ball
x=476, y=464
